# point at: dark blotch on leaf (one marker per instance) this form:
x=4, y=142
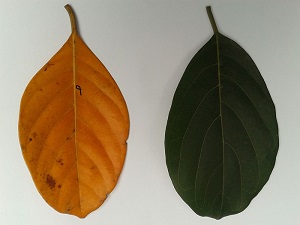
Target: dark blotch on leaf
x=50, y=181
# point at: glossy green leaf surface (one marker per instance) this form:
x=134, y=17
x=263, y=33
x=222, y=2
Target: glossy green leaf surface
x=221, y=138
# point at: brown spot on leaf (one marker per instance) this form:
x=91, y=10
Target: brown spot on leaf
x=32, y=136
x=48, y=65
x=50, y=181
x=59, y=186
x=60, y=161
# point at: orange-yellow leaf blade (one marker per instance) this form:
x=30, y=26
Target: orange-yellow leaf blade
x=73, y=127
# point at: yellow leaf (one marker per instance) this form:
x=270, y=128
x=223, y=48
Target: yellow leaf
x=73, y=127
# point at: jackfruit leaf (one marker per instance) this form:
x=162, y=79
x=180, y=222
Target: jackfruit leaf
x=73, y=128
x=221, y=138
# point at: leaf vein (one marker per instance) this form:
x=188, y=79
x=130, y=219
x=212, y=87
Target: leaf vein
x=46, y=106
x=251, y=103
x=55, y=124
x=245, y=70
x=89, y=129
x=106, y=95
x=186, y=91
x=180, y=152
x=257, y=158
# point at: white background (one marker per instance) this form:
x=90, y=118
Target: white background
x=146, y=45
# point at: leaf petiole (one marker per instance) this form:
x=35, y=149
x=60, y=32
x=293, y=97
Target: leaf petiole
x=212, y=20
x=72, y=18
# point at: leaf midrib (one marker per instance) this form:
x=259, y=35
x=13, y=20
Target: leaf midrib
x=216, y=33
x=73, y=36
x=220, y=109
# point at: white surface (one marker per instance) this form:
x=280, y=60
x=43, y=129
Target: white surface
x=146, y=46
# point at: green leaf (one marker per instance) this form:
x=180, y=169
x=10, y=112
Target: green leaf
x=221, y=138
